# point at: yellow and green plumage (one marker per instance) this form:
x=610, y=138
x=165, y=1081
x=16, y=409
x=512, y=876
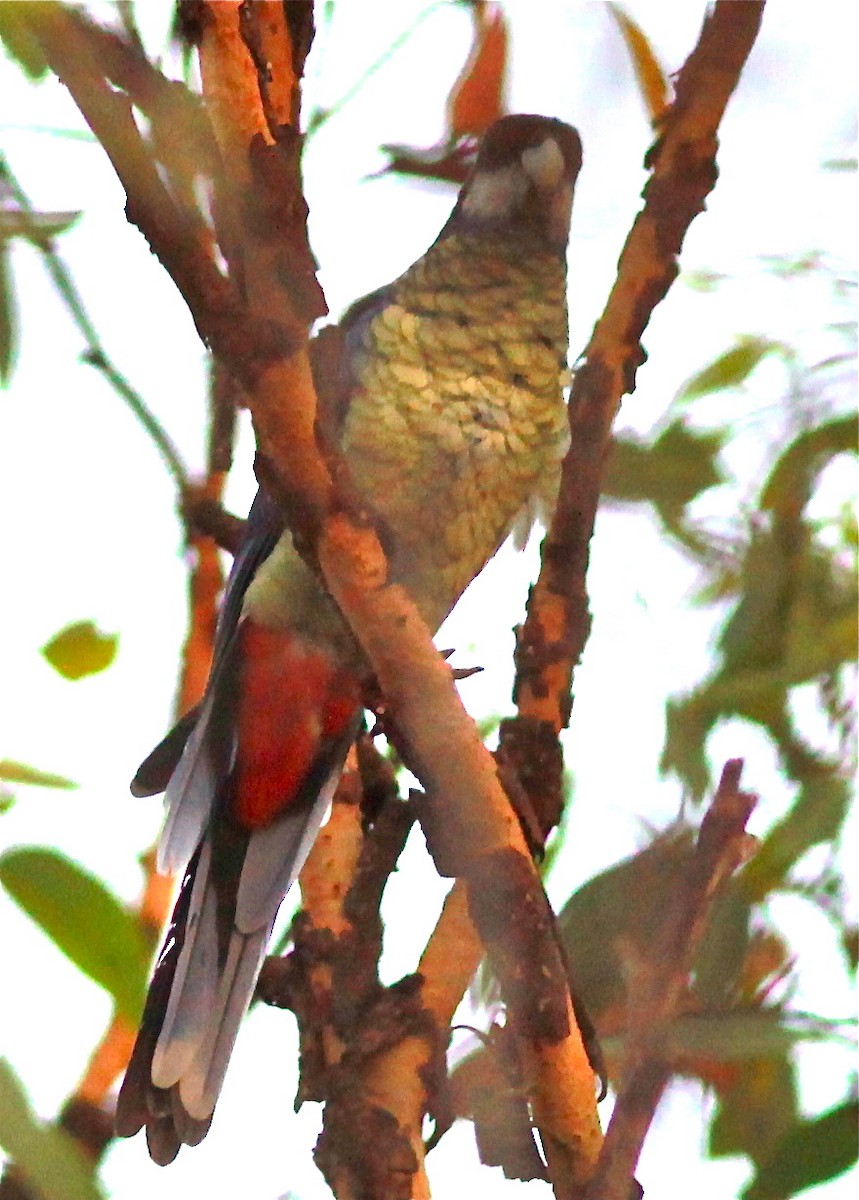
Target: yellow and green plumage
x=457, y=418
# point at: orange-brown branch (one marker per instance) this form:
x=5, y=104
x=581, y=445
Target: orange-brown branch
x=683, y=172
x=662, y=985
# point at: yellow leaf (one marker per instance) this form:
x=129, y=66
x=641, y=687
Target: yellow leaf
x=652, y=80
x=80, y=649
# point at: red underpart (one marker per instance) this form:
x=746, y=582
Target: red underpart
x=292, y=698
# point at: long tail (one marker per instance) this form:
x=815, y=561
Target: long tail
x=250, y=780
x=206, y=974
x=208, y=967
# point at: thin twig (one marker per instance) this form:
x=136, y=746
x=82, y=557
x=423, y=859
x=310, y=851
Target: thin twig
x=323, y=116
x=94, y=354
x=661, y=983
x=683, y=172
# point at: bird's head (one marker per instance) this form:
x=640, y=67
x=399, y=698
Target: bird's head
x=524, y=177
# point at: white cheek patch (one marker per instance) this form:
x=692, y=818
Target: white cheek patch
x=544, y=164
x=495, y=193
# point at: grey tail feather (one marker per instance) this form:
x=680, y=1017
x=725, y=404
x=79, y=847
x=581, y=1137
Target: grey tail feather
x=154, y=772
x=139, y=1102
x=162, y=1140
x=206, y=976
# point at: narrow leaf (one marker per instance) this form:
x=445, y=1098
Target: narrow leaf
x=477, y=97
x=722, y=952
x=744, y=1033
x=812, y=1152
x=8, y=317
x=20, y=44
x=688, y=721
x=677, y=467
x=792, y=478
x=730, y=369
x=36, y=227
x=83, y=919
x=756, y=1110
x=754, y=633
x=80, y=649
x=623, y=906
x=652, y=80
x=817, y=816
x=45, y=1155
x=15, y=772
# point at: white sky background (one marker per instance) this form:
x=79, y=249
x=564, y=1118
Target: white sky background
x=89, y=529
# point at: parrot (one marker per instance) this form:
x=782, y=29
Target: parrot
x=453, y=426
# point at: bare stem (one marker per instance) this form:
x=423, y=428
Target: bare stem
x=95, y=354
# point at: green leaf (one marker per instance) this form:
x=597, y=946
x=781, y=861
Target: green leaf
x=792, y=479
x=811, y=1152
x=703, y=280
x=731, y=368
x=622, y=905
x=754, y=633
x=487, y=727
x=748, y=1033
x=756, y=1110
x=15, y=772
x=719, y=961
x=20, y=44
x=37, y=228
x=8, y=318
x=817, y=816
x=794, y=623
x=677, y=467
x=688, y=721
x=46, y=1155
x=558, y=836
x=792, y=266
x=81, y=649
x=83, y=919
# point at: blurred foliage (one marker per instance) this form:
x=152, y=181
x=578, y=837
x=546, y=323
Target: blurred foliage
x=36, y=228
x=48, y=1157
x=669, y=472
x=793, y=619
x=731, y=368
x=811, y=1152
x=80, y=649
x=20, y=45
x=476, y=99
x=84, y=919
x=786, y=584
x=15, y=772
x=652, y=80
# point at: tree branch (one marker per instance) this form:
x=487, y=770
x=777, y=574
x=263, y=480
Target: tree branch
x=467, y=816
x=683, y=172
x=415, y=682
x=661, y=984
x=552, y=640
x=208, y=517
